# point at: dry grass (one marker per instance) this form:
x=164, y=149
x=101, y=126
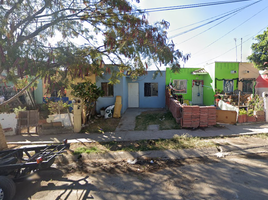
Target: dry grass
x=101, y=125
x=163, y=118
x=177, y=142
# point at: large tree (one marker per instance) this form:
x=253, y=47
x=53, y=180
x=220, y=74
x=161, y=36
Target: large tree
x=42, y=38
x=259, y=54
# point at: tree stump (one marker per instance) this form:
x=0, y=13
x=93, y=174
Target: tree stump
x=3, y=142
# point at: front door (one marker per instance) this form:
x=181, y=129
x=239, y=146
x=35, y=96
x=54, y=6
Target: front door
x=133, y=95
x=197, y=92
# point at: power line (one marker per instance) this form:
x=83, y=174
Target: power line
x=232, y=30
x=159, y=9
x=202, y=21
x=232, y=13
x=231, y=48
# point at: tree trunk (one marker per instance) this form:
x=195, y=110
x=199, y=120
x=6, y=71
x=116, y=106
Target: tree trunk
x=3, y=142
x=19, y=93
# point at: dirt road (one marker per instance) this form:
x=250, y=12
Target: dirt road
x=232, y=177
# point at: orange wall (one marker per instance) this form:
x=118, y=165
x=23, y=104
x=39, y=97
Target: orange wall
x=91, y=78
x=247, y=70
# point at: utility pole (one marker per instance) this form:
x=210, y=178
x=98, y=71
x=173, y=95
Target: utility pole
x=235, y=49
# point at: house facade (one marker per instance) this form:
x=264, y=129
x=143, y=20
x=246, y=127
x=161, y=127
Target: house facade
x=147, y=91
x=199, y=85
x=194, y=84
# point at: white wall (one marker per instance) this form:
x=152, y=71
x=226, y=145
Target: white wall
x=8, y=120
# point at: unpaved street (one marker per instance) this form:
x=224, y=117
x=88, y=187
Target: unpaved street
x=232, y=177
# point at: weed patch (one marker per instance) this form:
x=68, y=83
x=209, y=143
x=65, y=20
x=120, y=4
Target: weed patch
x=165, y=120
x=101, y=125
x=177, y=142
x=87, y=150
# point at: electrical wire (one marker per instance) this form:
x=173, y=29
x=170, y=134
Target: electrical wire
x=159, y=9
x=201, y=21
x=231, y=30
x=231, y=14
x=231, y=48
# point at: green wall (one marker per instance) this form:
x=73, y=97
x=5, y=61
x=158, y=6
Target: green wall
x=38, y=92
x=184, y=74
x=223, y=71
x=209, y=85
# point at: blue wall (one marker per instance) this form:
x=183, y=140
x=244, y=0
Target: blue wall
x=125, y=96
x=107, y=101
x=154, y=101
x=121, y=89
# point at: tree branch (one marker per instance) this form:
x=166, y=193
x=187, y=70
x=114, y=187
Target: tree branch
x=19, y=93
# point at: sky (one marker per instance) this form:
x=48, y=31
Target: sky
x=214, y=40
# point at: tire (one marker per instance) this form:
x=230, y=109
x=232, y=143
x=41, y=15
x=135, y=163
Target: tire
x=7, y=188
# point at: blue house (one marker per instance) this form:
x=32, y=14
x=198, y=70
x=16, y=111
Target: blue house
x=147, y=91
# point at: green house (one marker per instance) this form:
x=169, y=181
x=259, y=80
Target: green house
x=194, y=84
x=198, y=85
x=224, y=76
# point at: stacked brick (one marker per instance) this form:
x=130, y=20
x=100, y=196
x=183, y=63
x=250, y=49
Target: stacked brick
x=212, y=116
x=186, y=116
x=204, y=116
x=193, y=116
x=175, y=109
x=190, y=116
x=260, y=118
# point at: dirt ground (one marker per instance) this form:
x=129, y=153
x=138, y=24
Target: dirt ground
x=73, y=164
x=233, y=177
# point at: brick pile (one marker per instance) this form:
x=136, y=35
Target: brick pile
x=175, y=109
x=195, y=116
x=186, y=116
x=212, y=116
x=190, y=116
x=260, y=118
x=203, y=116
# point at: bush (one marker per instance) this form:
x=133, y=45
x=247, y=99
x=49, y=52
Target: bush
x=250, y=112
x=242, y=112
x=57, y=107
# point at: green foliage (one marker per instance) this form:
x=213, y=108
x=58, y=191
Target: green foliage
x=5, y=109
x=17, y=110
x=57, y=107
x=256, y=103
x=88, y=92
x=250, y=112
x=259, y=54
x=113, y=31
x=242, y=112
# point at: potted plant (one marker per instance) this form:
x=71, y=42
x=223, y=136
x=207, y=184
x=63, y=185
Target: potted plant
x=250, y=116
x=242, y=117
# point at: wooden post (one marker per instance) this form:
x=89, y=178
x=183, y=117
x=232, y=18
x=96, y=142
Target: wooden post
x=239, y=99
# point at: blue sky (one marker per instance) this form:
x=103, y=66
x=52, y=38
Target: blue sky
x=217, y=42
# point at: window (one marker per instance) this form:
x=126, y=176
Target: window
x=108, y=89
x=247, y=86
x=150, y=89
x=228, y=86
x=180, y=86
